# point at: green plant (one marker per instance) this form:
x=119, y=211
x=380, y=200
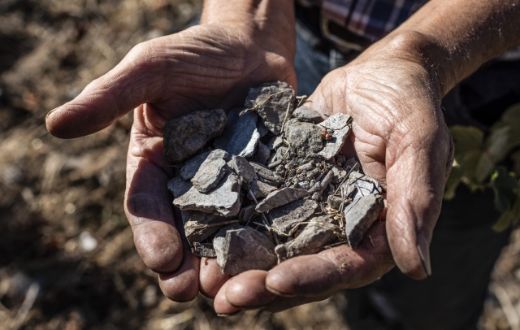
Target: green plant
x=490, y=161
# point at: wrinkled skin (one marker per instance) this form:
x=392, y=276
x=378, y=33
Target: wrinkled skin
x=398, y=135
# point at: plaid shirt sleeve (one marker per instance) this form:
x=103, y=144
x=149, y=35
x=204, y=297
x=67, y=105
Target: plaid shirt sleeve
x=371, y=19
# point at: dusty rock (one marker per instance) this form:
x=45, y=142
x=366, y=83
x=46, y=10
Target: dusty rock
x=224, y=200
x=287, y=217
x=241, y=167
x=308, y=114
x=198, y=226
x=360, y=215
x=359, y=185
x=191, y=166
x=278, y=157
x=304, y=137
x=203, y=250
x=271, y=101
x=211, y=171
x=263, y=153
x=242, y=249
x=338, y=126
x=319, y=232
x=266, y=175
x=184, y=136
x=279, y=198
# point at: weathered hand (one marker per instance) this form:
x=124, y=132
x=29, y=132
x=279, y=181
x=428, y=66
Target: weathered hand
x=206, y=66
x=400, y=138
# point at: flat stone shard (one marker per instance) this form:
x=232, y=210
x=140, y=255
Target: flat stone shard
x=319, y=232
x=338, y=126
x=288, y=217
x=224, y=200
x=266, y=175
x=263, y=153
x=271, y=101
x=198, y=226
x=191, y=166
x=242, y=249
x=360, y=215
x=279, y=198
x=359, y=185
x=203, y=250
x=308, y=114
x=186, y=135
x=243, y=136
x=241, y=167
x=304, y=137
x=211, y=171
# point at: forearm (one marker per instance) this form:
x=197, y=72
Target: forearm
x=466, y=33
x=267, y=21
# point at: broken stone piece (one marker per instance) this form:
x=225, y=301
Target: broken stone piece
x=191, y=166
x=308, y=114
x=211, y=171
x=263, y=153
x=303, y=137
x=278, y=157
x=242, y=249
x=360, y=215
x=203, y=250
x=242, y=136
x=318, y=232
x=359, y=185
x=279, y=198
x=271, y=101
x=339, y=127
x=198, y=226
x=241, y=167
x=266, y=175
x=185, y=135
x=224, y=200
x=287, y=217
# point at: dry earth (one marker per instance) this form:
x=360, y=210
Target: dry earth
x=67, y=259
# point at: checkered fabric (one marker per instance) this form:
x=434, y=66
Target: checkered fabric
x=371, y=19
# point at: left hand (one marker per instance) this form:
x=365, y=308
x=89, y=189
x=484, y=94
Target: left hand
x=400, y=138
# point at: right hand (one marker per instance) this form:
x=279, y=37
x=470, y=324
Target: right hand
x=204, y=67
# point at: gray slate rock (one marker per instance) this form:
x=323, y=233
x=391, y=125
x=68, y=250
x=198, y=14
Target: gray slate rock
x=303, y=137
x=224, y=200
x=271, y=101
x=319, y=232
x=191, y=166
x=288, y=217
x=211, y=171
x=266, y=175
x=279, y=198
x=308, y=114
x=263, y=153
x=242, y=249
x=339, y=125
x=360, y=215
x=203, y=250
x=186, y=135
x=359, y=185
x=242, y=136
x=198, y=226
x=241, y=167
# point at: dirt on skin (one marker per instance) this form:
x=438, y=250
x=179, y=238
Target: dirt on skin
x=67, y=259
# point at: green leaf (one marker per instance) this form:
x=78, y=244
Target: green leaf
x=508, y=218
x=505, y=187
x=466, y=139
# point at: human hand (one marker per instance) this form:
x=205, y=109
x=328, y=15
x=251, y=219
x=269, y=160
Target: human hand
x=204, y=67
x=400, y=138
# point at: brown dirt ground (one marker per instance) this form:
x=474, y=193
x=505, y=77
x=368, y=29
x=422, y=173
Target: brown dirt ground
x=57, y=194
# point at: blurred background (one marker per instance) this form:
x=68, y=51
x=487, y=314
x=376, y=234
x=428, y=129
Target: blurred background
x=67, y=259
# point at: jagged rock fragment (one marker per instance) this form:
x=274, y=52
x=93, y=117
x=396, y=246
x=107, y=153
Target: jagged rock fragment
x=279, y=198
x=243, y=249
x=186, y=135
x=242, y=137
x=266, y=175
x=287, y=217
x=224, y=200
x=263, y=153
x=211, y=171
x=319, y=232
x=278, y=157
x=358, y=185
x=338, y=126
x=308, y=114
x=203, y=250
x=360, y=215
x=271, y=101
x=304, y=137
x=241, y=167
x=198, y=226
x=191, y=166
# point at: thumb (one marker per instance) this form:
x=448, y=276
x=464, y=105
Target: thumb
x=130, y=83
x=415, y=184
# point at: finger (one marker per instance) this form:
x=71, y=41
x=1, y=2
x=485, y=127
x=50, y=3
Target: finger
x=211, y=277
x=416, y=175
x=183, y=284
x=132, y=82
x=333, y=269
x=221, y=305
x=148, y=204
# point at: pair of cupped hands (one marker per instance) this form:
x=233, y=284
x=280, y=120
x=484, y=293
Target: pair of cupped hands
x=399, y=136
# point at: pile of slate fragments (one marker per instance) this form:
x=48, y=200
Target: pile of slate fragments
x=267, y=182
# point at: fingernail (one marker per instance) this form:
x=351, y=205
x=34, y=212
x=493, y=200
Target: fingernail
x=424, y=253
